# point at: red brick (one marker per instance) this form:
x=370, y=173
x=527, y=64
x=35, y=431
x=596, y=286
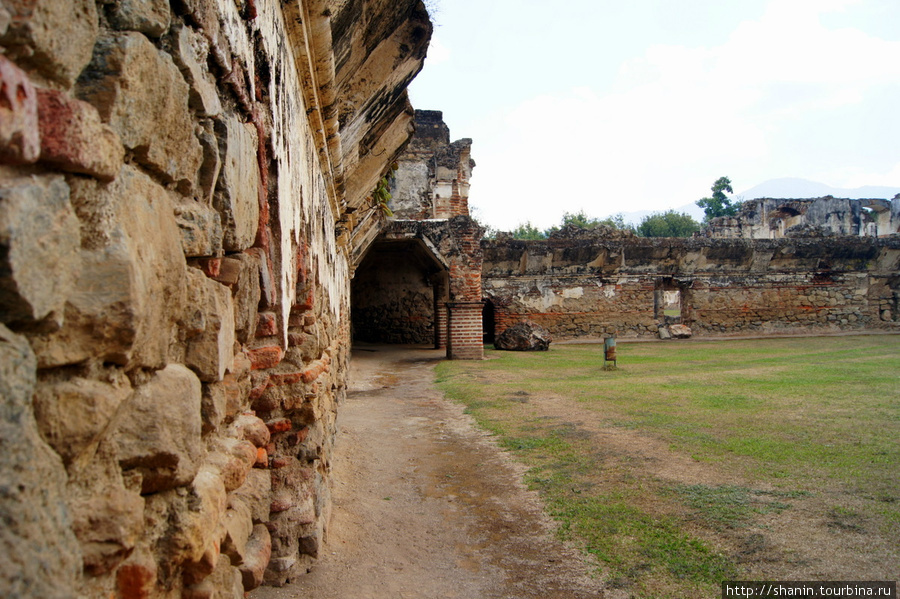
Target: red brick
x=279, y=426
x=20, y=140
x=265, y=357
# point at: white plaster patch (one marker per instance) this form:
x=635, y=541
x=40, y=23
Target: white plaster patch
x=573, y=292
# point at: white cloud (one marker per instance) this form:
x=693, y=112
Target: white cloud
x=677, y=118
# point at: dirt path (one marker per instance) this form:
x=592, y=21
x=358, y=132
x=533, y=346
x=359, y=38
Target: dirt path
x=425, y=505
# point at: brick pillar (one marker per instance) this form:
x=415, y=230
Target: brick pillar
x=440, y=325
x=465, y=342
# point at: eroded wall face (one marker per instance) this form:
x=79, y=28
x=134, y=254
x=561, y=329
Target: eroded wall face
x=594, y=287
x=174, y=294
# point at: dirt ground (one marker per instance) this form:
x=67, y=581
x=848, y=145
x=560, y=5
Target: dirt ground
x=426, y=506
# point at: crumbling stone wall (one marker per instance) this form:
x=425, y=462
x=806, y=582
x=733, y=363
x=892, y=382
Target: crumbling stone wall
x=423, y=278
x=182, y=188
x=767, y=218
x=595, y=284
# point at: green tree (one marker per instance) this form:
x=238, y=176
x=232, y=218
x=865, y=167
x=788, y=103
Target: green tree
x=667, y=224
x=719, y=204
x=527, y=231
x=583, y=221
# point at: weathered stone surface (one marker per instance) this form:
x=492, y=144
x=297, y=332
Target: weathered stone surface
x=210, y=352
x=255, y=492
x=680, y=331
x=237, y=191
x=233, y=458
x=190, y=53
x=524, y=336
x=74, y=139
x=246, y=293
x=251, y=428
x=39, y=243
x=223, y=583
x=211, y=165
x=136, y=578
x=147, y=16
x=131, y=284
x=201, y=229
x=142, y=95
x=257, y=554
x=239, y=525
x=20, y=141
x=42, y=556
x=55, y=38
x=73, y=414
x=159, y=431
x=108, y=524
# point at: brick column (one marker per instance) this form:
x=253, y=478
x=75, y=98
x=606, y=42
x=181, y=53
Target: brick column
x=465, y=341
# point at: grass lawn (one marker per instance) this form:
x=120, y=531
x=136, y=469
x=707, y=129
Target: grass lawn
x=702, y=461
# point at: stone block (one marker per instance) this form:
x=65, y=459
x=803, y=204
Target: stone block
x=246, y=294
x=39, y=242
x=233, y=458
x=72, y=415
x=237, y=191
x=224, y=582
x=200, y=227
x=54, y=38
x=142, y=95
x=20, y=141
x=131, y=285
x=42, y=555
x=255, y=492
x=159, y=431
x=190, y=51
x=239, y=525
x=209, y=309
x=257, y=554
x=108, y=524
x=247, y=426
x=74, y=139
x=212, y=162
x=147, y=16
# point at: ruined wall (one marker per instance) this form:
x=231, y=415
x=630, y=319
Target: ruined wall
x=595, y=285
x=182, y=188
x=423, y=277
x=767, y=218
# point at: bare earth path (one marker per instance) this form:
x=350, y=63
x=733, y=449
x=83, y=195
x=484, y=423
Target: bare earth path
x=425, y=506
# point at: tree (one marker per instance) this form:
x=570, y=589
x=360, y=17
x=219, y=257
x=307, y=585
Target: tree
x=719, y=204
x=527, y=231
x=668, y=224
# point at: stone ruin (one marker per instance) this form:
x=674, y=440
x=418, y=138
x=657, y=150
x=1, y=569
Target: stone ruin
x=190, y=238
x=767, y=218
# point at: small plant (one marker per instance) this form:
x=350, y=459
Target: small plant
x=381, y=195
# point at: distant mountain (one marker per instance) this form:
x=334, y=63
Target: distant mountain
x=801, y=189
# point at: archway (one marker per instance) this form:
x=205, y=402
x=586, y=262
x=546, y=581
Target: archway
x=398, y=294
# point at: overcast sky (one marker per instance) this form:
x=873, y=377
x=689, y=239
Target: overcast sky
x=610, y=106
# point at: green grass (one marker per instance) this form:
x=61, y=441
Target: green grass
x=795, y=417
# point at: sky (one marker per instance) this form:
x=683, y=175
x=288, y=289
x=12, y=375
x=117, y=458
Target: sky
x=612, y=107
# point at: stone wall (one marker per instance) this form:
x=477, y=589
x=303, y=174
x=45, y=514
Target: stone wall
x=595, y=285
x=767, y=218
x=182, y=189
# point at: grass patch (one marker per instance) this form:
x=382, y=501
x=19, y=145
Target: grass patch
x=799, y=418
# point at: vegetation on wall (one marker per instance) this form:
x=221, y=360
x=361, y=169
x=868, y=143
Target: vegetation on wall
x=665, y=224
